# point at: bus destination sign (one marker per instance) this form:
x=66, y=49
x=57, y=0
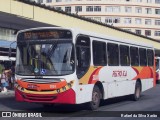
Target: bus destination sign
x=45, y=34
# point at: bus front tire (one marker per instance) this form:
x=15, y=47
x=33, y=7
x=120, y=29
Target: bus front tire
x=94, y=104
x=137, y=92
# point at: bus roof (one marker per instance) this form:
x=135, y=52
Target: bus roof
x=77, y=31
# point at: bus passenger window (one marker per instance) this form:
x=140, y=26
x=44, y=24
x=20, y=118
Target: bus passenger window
x=113, y=54
x=99, y=53
x=150, y=56
x=83, y=55
x=124, y=55
x=143, y=57
x=134, y=56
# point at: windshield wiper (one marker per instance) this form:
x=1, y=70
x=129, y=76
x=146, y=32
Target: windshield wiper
x=52, y=49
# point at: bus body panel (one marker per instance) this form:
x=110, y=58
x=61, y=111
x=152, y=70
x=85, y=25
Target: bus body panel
x=67, y=97
x=147, y=84
x=84, y=93
x=61, y=92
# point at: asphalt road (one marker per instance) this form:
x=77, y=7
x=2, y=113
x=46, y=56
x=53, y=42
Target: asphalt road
x=145, y=108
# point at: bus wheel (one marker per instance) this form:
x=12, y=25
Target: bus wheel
x=137, y=92
x=94, y=104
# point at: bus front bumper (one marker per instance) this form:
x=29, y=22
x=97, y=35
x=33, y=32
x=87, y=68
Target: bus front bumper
x=67, y=97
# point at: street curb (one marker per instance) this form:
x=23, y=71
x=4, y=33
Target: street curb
x=10, y=92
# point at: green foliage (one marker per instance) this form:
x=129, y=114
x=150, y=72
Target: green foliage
x=1, y=67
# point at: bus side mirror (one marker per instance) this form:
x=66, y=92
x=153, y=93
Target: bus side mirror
x=10, y=49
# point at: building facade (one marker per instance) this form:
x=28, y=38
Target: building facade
x=139, y=16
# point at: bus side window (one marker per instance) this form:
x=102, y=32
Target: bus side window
x=113, y=54
x=143, y=57
x=150, y=57
x=83, y=55
x=99, y=53
x=134, y=56
x=124, y=55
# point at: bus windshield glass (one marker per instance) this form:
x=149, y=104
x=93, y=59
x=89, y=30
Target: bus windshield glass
x=50, y=57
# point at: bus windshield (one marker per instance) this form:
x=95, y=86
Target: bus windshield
x=54, y=58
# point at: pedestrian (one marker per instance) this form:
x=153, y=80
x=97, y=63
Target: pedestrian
x=12, y=76
x=8, y=74
x=4, y=82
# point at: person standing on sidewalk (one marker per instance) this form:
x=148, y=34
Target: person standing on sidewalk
x=4, y=81
x=12, y=76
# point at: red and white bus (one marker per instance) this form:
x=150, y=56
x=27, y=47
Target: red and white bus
x=71, y=66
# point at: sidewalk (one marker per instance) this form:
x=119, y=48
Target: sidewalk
x=9, y=92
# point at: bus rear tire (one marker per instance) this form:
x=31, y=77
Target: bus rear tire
x=137, y=92
x=96, y=95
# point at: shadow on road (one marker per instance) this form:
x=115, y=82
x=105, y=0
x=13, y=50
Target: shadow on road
x=10, y=103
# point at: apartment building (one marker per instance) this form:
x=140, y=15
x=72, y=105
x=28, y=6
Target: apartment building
x=139, y=16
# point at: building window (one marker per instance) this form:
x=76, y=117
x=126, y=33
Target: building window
x=93, y=8
x=128, y=9
x=147, y=21
x=157, y=22
x=40, y=1
x=78, y=8
x=97, y=8
x=127, y=20
x=148, y=10
x=112, y=9
x=68, y=0
x=89, y=8
x=68, y=9
x=7, y=34
x=48, y=1
x=97, y=19
x=157, y=1
x=116, y=9
x=108, y=20
x=112, y=20
x=58, y=8
x=128, y=0
x=138, y=10
x=149, y=1
x=139, y=0
x=138, y=21
x=157, y=11
x=148, y=32
x=58, y=0
x=128, y=30
x=138, y=32
x=89, y=18
x=108, y=9
x=116, y=20
x=157, y=33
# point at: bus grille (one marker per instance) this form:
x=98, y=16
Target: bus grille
x=38, y=91
x=39, y=97
x=41, y=81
